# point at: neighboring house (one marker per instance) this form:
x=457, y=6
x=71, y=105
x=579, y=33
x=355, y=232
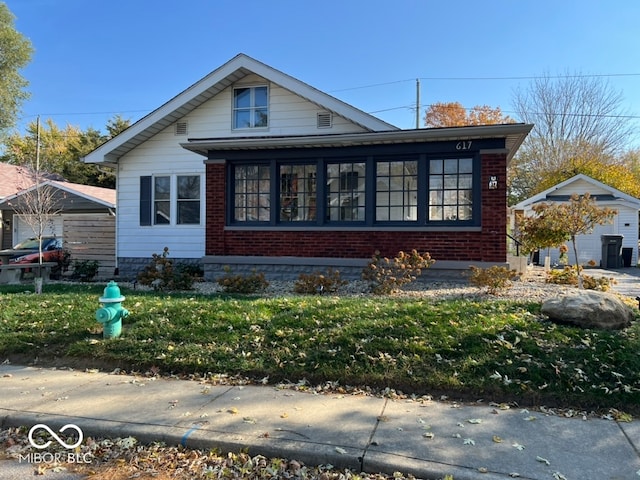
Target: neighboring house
x=252, y=168
x=593, y=247
x=85, y=218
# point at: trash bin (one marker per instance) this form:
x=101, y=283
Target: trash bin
x=627, y=255
x=611, y=251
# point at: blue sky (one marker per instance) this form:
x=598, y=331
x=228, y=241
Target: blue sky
x=97, y=58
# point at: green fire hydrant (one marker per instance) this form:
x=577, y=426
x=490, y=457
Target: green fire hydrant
x=111, y=313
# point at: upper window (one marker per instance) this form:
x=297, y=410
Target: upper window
x=250, y=107
x=451, y=189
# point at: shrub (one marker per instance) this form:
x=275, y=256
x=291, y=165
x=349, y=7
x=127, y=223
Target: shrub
x=386, y=276
x=495, y=278
x=85, y=269
x=317, y=283
x=161, y=274
x=568, y=276
x=63, y=261
x=252, y=283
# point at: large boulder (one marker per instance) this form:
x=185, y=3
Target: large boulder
x=589, y=309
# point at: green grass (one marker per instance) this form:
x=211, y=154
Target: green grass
x=496, y=350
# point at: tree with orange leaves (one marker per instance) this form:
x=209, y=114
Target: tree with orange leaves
x=453, y=114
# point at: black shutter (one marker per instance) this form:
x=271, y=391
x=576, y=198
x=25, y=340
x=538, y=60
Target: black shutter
x=145, y=201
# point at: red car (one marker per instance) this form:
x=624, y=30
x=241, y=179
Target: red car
x=27, y=251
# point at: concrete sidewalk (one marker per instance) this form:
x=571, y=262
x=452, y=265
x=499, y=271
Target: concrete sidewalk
x=426, y=438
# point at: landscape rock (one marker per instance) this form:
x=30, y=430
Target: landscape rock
x=589, y=309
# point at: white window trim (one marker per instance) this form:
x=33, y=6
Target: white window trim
x=251, y=86
x=173, y=200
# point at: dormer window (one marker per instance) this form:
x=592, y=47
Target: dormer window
x=250, y=107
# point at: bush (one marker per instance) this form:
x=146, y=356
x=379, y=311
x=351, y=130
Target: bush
x=161, y=274
x=495, y=278
x=387, y=276
x=252, y=283
x=568, y=276
x=317, y=283
x=85, y=269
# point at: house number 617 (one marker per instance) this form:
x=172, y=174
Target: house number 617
x=463, y=145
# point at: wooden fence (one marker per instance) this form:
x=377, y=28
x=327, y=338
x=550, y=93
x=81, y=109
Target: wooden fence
x=92, y=237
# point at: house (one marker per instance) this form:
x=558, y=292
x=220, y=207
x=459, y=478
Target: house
x=596, y=247
x=85, y=218
x=252, y=168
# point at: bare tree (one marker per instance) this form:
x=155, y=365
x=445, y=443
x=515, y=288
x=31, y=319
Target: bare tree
x=575, y=116
x=38, y=205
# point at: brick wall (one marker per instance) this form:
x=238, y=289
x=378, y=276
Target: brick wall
x=487, y=245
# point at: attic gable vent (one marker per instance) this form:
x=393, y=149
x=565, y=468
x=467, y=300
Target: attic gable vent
x=325, y=120
x=181, y=128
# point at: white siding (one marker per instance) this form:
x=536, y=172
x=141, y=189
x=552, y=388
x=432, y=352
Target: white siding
x=289, y=114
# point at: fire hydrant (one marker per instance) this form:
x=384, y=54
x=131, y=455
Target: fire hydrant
x=111, y=313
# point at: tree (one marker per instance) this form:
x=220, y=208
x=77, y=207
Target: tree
x=62, y=150
x=453, y=114
x=15, y=54
x=554, y=223
x=575, y=117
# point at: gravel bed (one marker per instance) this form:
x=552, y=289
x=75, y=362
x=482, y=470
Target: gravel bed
x=532, y=287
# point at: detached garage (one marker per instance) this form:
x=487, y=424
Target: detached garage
x=613, y=245
x=84, y=220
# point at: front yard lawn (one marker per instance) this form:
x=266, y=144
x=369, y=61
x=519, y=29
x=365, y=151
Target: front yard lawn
x=498, y=350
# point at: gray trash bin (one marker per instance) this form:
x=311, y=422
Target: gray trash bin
x=611, y=251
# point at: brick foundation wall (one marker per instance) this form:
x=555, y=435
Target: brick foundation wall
x=487, y=245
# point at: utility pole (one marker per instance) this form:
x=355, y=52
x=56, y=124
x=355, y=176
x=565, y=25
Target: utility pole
x=417, y=103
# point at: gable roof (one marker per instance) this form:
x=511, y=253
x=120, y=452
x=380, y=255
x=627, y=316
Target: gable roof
x=234, y=70
x=547, y=195
x=102, y=196
x=12, y=179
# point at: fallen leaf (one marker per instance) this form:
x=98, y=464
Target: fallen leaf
x=475, y=420
x=559, y=476
x=543, y=460
x=483, y=470
x=284, y=415
x=341, y=451
x=428, y=435
x=233, y=410
x=514, y=475
x=518, y=446
x=469, y=441
x=497, y=439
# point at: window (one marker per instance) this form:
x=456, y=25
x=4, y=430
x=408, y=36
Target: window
x=252, y=193
x=250, y=107
x=346, y=192
x=161, y=200
x=297, y=193
x=407, y=189
x=397, y=191
x=188, y=200
x=170, y=200
x=450, y=189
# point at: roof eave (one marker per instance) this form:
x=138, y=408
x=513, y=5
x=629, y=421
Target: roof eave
x=513, y=133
